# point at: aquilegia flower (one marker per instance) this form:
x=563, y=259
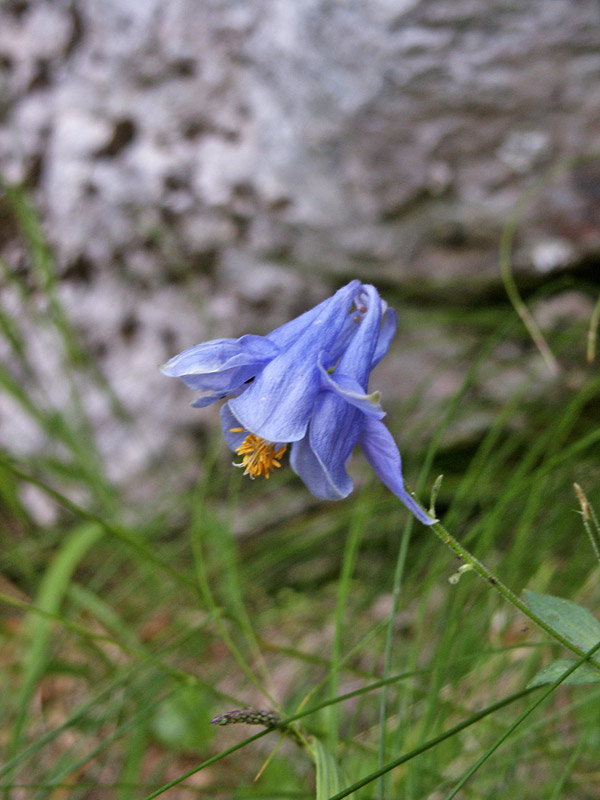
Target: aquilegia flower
x=305, y=384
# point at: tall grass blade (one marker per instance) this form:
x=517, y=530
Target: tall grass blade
x=52, y=591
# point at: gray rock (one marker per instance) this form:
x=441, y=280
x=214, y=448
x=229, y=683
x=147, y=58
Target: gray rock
x=207, y=167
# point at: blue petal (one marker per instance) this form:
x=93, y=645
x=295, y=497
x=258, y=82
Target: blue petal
x=358, y=355
x=314, y=475
x=382, y=454
x=221, y=365
x=278, y=404
x=320, y=458
x=386, y=334
x=389, y=322
x=350, y=390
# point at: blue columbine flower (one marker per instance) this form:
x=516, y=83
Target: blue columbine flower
x=305, y=384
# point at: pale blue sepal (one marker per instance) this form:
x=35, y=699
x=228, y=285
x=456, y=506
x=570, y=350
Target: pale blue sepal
x=287, y=334
x=221, y=364
x=381, y=452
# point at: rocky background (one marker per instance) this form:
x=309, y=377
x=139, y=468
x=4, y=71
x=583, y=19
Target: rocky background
x=206, y=168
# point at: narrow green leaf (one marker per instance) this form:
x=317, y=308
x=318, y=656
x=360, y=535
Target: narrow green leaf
x=586, y=673
x=573, y=622
x=328, y=776
x=52, y=590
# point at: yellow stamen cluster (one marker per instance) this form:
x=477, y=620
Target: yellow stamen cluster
x=258, y=456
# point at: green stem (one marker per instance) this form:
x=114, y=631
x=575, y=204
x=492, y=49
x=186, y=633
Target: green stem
x=501, y=588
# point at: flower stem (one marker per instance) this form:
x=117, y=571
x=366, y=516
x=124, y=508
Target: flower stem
x=501, y=588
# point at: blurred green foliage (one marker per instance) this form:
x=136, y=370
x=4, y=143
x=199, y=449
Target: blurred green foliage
x=125, y=629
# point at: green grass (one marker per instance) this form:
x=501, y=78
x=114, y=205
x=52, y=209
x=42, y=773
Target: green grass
x=125, y=630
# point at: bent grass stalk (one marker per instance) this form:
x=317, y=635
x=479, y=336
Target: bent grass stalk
x=506, y=269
